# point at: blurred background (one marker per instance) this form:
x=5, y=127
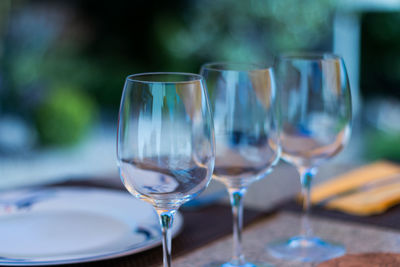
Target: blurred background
x=63, y=65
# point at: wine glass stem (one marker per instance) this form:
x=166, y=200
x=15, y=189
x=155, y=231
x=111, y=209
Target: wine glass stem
x=166, y=220
x=306, y=176
x=236, y=197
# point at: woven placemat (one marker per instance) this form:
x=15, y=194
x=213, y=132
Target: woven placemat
x=389, y=219
x=364, y=260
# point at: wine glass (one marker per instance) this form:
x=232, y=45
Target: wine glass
x=243, y=102
x=165, y=147
x=316, y=125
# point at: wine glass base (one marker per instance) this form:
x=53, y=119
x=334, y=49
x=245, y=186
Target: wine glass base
x=305, y=249
x=230, y=264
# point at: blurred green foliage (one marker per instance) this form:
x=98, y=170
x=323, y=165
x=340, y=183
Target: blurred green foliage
x=49, y=78
x=82, y=51
x=64, y=116
x=380, y=54
x=63, y=62
x=383, y=145
x=380, y=79
x=101, y=78
x=251, y=30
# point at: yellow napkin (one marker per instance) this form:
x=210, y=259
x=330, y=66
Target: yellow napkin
x=371, y=189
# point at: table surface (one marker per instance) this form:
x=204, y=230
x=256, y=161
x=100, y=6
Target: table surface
x=357, y=239
x=264, y=196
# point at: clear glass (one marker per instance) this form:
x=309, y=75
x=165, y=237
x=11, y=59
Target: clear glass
x=243, y=102
x=166, y=146
x=316, y=125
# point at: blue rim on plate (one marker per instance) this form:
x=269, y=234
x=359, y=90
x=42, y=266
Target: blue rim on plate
x=48, y=226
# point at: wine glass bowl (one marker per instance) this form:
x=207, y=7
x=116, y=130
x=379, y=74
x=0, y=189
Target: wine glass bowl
x=243, y=102
x=316, y=124
x=242, y=97
x=316, y=107
x=165, y=145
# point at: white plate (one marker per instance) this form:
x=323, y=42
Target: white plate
x=67, y=225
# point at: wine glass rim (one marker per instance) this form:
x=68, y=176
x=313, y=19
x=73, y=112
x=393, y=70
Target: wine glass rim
x=191, y=77
x=223, y=66
x=309, y=56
